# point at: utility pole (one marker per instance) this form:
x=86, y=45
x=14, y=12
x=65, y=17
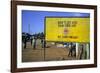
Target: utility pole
x=29, y=28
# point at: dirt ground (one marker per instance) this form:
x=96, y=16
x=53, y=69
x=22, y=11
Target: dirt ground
x=50, y=53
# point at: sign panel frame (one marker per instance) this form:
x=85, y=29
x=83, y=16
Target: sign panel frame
x=69, y=28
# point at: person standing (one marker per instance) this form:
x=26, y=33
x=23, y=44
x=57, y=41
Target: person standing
x=25, y=41
x=81, y=54
x=31, y=40
x=42, y=42
x=34, y=42
x=70, y=49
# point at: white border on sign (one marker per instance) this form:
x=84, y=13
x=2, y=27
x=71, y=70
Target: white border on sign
x=52, y=63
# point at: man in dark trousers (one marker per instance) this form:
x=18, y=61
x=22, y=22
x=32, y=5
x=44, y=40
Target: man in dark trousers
x=42, y=43
x=25, y=41
x=31, y=40
x=81, y=51
x=72, y=50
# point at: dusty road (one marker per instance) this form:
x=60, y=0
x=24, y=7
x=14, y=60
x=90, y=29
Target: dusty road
x=51, y=53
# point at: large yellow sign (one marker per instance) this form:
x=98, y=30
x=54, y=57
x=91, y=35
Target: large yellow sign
x=67, y=29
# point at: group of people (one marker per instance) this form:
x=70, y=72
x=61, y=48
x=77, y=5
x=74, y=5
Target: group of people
x=72, y=50
x=33, y=40
x=83, y=50
x=72, y=46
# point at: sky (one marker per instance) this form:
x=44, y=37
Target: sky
x=33, y=21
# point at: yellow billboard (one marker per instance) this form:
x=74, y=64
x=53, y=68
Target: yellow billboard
x=67, y=29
